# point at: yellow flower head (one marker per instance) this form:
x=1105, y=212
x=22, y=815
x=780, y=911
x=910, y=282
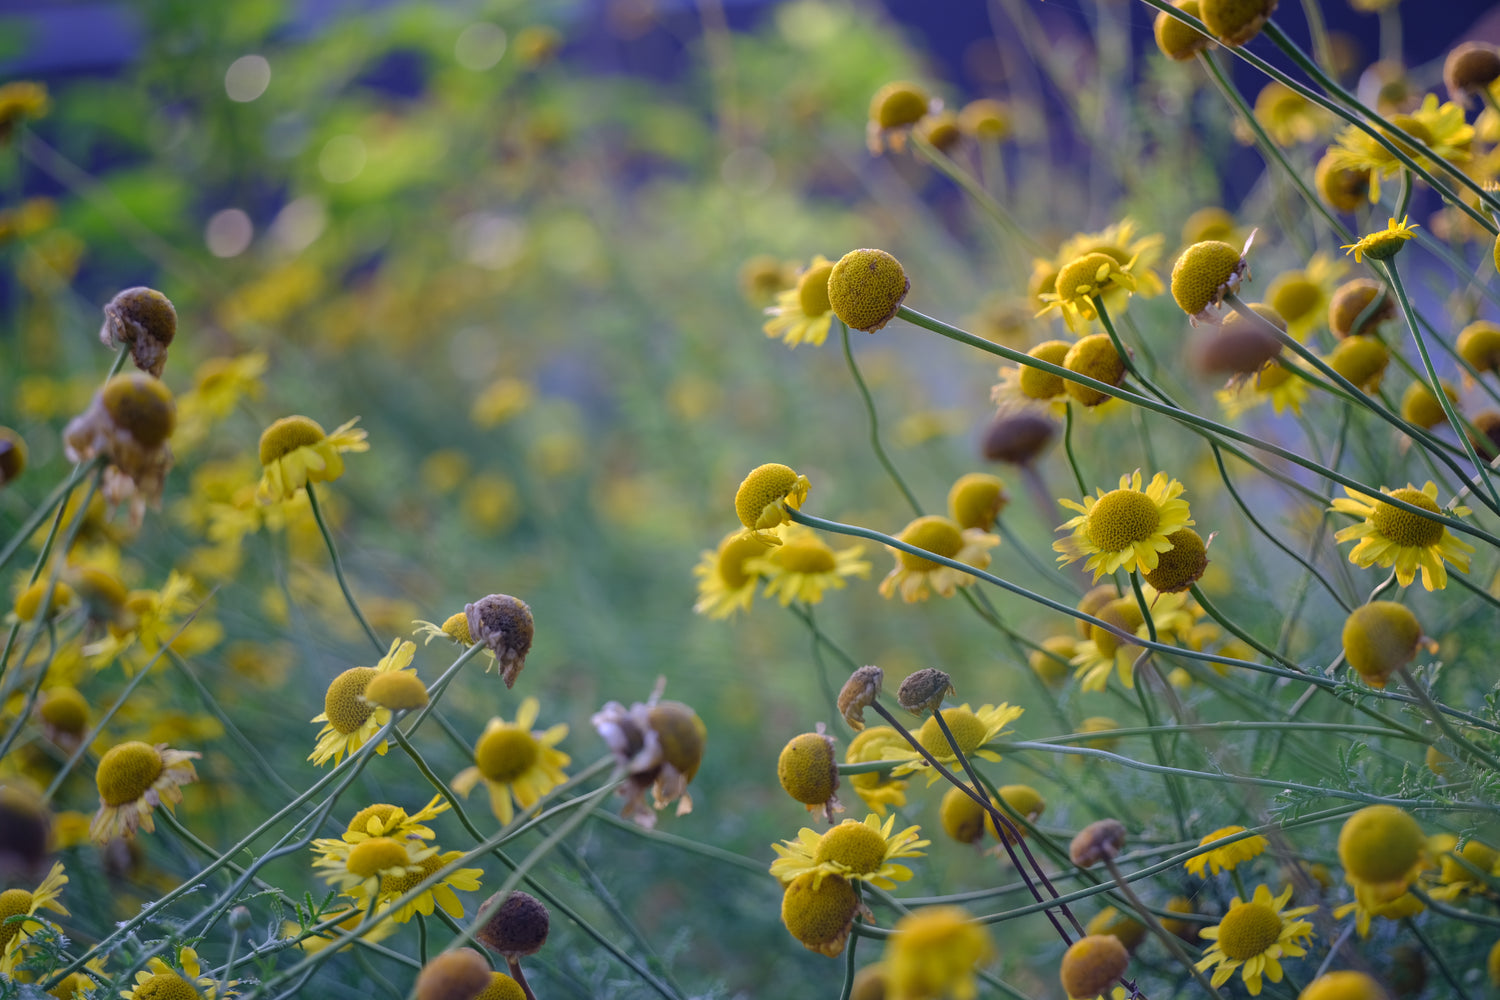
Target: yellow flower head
x=1104, y=650
x=1301, y=297
x=1441, y=128
x=295, y=451
x=1253, y=937
x=866, y=287
x=852, y=850
x=1126, y=528
x=803, y=314
x=15, y=934
x=916, y=578
x=1135, y=255
x=1082, y=280
x=1382, y=848
x=894, y=110
x=803, y=566
x=764, y=494
x=1390, y=536
x=385, y=820
x=1227, y=857
x=727, y=576
x=933, y=952
x=515, y=762
x=1205, y=273
x=350, y=721
x=1091, y=963
x=1176, y=40
x=971, y=731
x=1382, y=244
x=1023, y=385
x=160, y=981
x=133, y=779
x=820, y=912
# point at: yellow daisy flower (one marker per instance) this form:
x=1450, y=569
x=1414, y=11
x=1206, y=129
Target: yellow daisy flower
x=385, y=820
x=1136, y=255
x=349, y=720
x=1382, y=244
x=1126, y=528
x=515, y=762
x=728, y=575
x=803, y=566
x=1275, y=383
x=1441, y=128
x=802, y=315
x=295, y=451
x=1253, y=937
x=971, y=731
x=852, y=850
x=1081, y=280
x=1103, y=651
x=133, y=779
x=917, y=578
x=15, y=934
x=1227, y=857
x=1301, y=297
x=1366, y=909
x=933, y=951
x=358, y=870
x=352, y=917
x=1390, y=536
x=151, y=618
x=879, y=791
x=1022, y=386
x=158, y=980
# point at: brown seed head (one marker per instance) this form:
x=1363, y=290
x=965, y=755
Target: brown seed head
x=858, y=693
x=923, y=691
x=1097, y=842
x=517, y=928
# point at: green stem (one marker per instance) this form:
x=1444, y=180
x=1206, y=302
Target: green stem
x=875, y=445
x=1173, y=945
x=976, y=191
x=1083, y=489
x=338, y=570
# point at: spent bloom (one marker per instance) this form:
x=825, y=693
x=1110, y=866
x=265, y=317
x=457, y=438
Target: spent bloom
x=505, y=625
x=144, y=320
x=129, y=422
x=516, y=762
x=133, y=779
x=660, y=746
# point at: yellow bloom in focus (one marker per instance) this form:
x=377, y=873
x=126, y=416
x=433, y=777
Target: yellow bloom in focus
x=15, y=934
x=1227, y=857
x=1382, y=244
x=1135, y=255
x=515, y=762
x=1390, y=536
x=727, y=576
x=852, y=850
x=160, y=981
x=1254, y=937
x=1104, y=651
x=133, y=779
x=1080, y=281
x=385, y=820
x=917, y=578
x=1441, y=128
x=932, y=953
x=1275, y=383
x=802, y=315
x=1126, y=528
x=803, y=566
x=877, y=743
x=295, y=451
x=357, y=870
x=971, y=731
x=349, y=721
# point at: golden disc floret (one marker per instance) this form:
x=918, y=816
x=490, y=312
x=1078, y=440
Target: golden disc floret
x=808, y=768
x=1248, y=929
x=1235, y=22
x=866, y=287
x=1381, y=845
x=369, y=858
x=1479, y=345
x=1182, y=565
x=1343, y=188
x=1380, y=638
x=1345, y=984
x=142, y=406
x=1095, y=357
x=1091, y=964
x=1420, y=406
x=1180, y=41
x=969, y=732
x=855, y=845
x=397, y=690
x=682, y=733
x=502, y=987
x=344, y=703
x=1204, y=273
x=286, y=435
x=1042, y=385
x=976, y=500
x=1362, y=361
x=819, y=910
x=963, y=819
x=165, y=986
x=505, y=752
x=934, y=533
x=127, y=771
x=1404, y=527
x=812, y=290
x=898, y=104
x=758, y=501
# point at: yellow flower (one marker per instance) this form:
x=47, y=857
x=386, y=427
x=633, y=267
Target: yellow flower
x=762, y=497
x=358, y=870
x=1254, y=937
x=159, y=981
x=1135, y=255
x=1366, y=909
x=385, y=820
x=218, y=386
x=803, y=566
x=515, y=762
x=352, y=918
x=1228, y=857
x=1390, y=536
x=1382, y=244
x=916, y=577
x=1301, y=297
x=1274, y=383
x=295, y=451
x=1441, y=128
x=1083, y=279
x=727, y=576
x=349, y=721
x=932, y=953
x=1126, y=528
x=133, y=779
x=15, y=934
x=802, y=315
x=852, y=850
x=878, y=791
x=971, y=731
x=1022, y=385
x=154, y=617
x=1104, y=651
